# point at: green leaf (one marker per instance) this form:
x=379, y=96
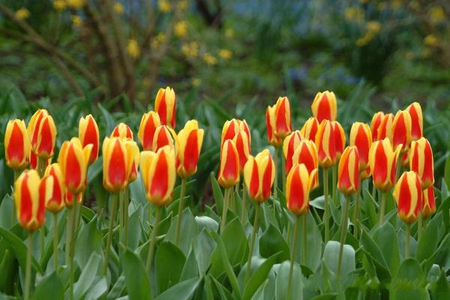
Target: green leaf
x=181, y=291
x=6, y=207
x=217, y=192
x=89, y=241
x=190, y=268
x=117, y=289
x=89, y=272
x=235, y=242
x=408, y=283
x=169, y=263
x=207, y=223
x=49, y=285
x=258, y=277
x=447, y=171
x=188, y=232
x=283, y=279
x=431, y=237
x=8, y=267
x=272, y=242
x=136, y=278
x=98, y=288
x=385, y=237
x=204, y=246
x=331, y=257
x=442, y=290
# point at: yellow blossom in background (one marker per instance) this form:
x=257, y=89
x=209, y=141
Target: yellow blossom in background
x=229, y=33
x=75, y=4
x=431, y=40
x=410, y=55
x=59, y=4
x=190, y=49
x=373, y=26
x=372, y=29
x=133, y=48
x=196, y=82
x=77, y=20
x=157, y=40
x=22, y=13
x=209, y=59
x=437, y=14
x=182, y=5
x=225, y=53
x=118, y=8
x=164, y=6
x=180, y=29
x=354, y=14
x=426, y=53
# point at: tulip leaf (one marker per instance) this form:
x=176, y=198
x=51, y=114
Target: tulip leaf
x=87, y=213
x=190, y=268
x=447, y=171
x=89, y=272
x=431, y=237
x=235, y=242
x=117, y=289
x=95, y=169
x=8, y=267
x=6, y=207
x=89, y=241
x=271, y=242
x=110, y=123
x=258, y=277
x=283, y=278
x=207, y=223
x=98, y=288
x=136, y=278
x=331, y=257
x=181, y=291
x=442, y=257
x=169, y=263
x=442, y=289
x=204, y=246
x=217, y=192
x=188, y=231
x=409, y=281
x=223, y=292
x=445, y=209
x=49, y=285
x=137, y=190
x=370, y=211
x=385, y=237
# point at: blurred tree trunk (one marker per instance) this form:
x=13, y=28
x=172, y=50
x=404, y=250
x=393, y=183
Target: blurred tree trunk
x=211, y=11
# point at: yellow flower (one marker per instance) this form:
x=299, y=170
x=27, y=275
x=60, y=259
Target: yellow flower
x=118, y=8
x=157, y=41
x=229, y=33
x=77, y=20
x=75, y=4
x=225, y=53
x=190, y=50
x=59, y=4
x=196, y=82
x=382, y=6
x=431, y=40
x=164, y=6
x=182, y=5
x=209, y=59
x=22, y=14
x=373, y=26
x=437, y=14
x=425, y=53
x=396, y=4
x=354, y=14
x=133, y=48
x=180, y=29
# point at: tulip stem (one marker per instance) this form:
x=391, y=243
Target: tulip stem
x=343, y=235
x=325, y=192
x=28, y=266
x=121, y=216
x=356, y=213
x=151, y=249
x=334, y=184
x=125, y=213
x=225, y=209
x=244, y=204
x=252, y=241
x=407, y=242
x=69, y=239
x=294, y=250
x=110, y=232
x=420, y=226
x=283, y=172
x=55, y=241
x=382, y=207
x=305, y=240
x=180, y=209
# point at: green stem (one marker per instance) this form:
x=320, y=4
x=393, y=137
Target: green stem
x=244, y=204
x=55, y=241
x=408, y=238
x=294, y=250
x=68, y=247
x=382, y=207
x=420, y=226
x=334, y=184
x=356, y=213
x=41, y=166
x=252, y=241
x=180, y=209
x=225, y=209
x=283, y=172
x=343, y=234
x=121, y=216
x=305, y=241
x=110, y=232
x=151, y=249
x=125, y=213
x=28, y=266
x=325, y=193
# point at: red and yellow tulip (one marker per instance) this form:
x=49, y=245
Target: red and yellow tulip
x=348, y=171
x=339, y=138
x=229, y=174
x=429, y=203
x=149, y=122
x=89, y=134
x=159, y=174
x=309, y=129
x=383, y=164
x=17, y=145
x=415, y=111
x=326, y=144
x=385, y=127
x=375, y=124
x=401, y=130
x=278, y=121
x=42, y=131
x=361, y=137
x=290, y=144
x=162, y=137
x=122, y=131
x=408, y=195
x=56, y=202
x=189, y=144
x=165, y=106
x=324, y=106
x=298, y=186
x=238, y=131
x=306, y=153
x=259, y=175
x=421, y=161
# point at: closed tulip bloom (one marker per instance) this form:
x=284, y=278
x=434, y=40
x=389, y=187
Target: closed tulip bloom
x=189, y=145
x=122, y=131
x=383, y=164
x=259, y=175
x=278, y=121
x=229, y=165
x=133, y=155
x=415, y=111
x=306, y=153
x=429, y=203
x=361, y=137
x=73, y=160
x=421, y=161
x=30, y=194
x=232, y=127
x=298, y=187
x=42, y=131
x=375, y=124
x=309, y=129
x=34, y=125
x=241, y=140
x=385, y=128
x=326, y=144
x=165, y=106
x=162, y=137
x=339, y=137
x=290, y=144
x=324, y=106
x=17, y=145
x=348, y=171
x=158, y=174
x=401, y=130
x=408, y=195
x=89, y=134
x=149, y=122
x=71, y=200
x=56, y=202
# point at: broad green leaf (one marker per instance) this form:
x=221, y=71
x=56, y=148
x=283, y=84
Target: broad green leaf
x=136, y=278
x=442, y=257
x=431, y=237
x=283, y=279
x=6, y=207
x=8, y=267
x=235, y=242
x=169, y=263
x=181, y=291
x=314, y=242
x=442, y=290
x=258, y=277
x=50, y=286
x=445, y=209
x=372, y=249
x=447, y=171
x=369, y=207
x=204, y=246
x=89, y=272
x=135, y=228
x=190, y=268
x=223, y=292
x=271, y=242
x=217, y=192
x=385, y=237
x=89, y=241
x=207, y=223
x=408, y=283
x=117, y=288
x=98, y=288
x=331, y=257
x=188, y=231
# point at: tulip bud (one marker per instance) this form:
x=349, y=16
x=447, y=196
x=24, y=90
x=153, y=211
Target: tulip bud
x=17, y=145
x=408, y=195
x=339, y=137
x=429, y=203
x=298, y=187
x=383, y=164
x=122, y=131
x=415, y=111
x=189, y=145
x=278, y=121
x=401, y=130
x=306, y=154
x=385, y=128
x=324, y=106
x=290, y=144
x=375, y=124
x=165, y=106
x=309, y=129
x=242, y=142
x=56, y=202
x=348, y=171
x=232, y=127
x=89, y=134
x=149, y=122
x=421, y=161
x=162, y=137
x=133, y=156
x=229, y=165
x=158, y=174
x=326, y=144
x=259, y=175
x=42, y=131
x=361, y=137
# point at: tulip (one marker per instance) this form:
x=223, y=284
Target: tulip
x=189, y=145
x=429, y=203
x=385, y=127
x=421, y=161
x=339, y=137
x=290, y=144
x=326, y=144
x=324, y=106
x=158, y=174
x=232, y=127
x=133, y=156
x=88, y=133
x=74, y=160
x=306, y=153
x=229, y=165
x=259, y=175
x=309, y=129
x=401, y=130
x=415, y=111
x=17, y=145
x=383, y=163
x=298, y=186
x=165, y=106
x=348, y=171
x=408, y=195
x=375, y=124
x=149, y=122
x=72, y=199
x=162, y=137
x=361, y=137
x=242, y=142
x=42, y=131
x=56, y=203
x=278, y=121
x=122, y=131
